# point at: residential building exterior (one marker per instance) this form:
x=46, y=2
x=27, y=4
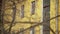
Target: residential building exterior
x=31, y=12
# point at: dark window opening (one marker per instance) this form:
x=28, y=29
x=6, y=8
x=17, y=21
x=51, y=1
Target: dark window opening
x=32, y=31
x=22, y=11
x=33, y=8
x=21, y=30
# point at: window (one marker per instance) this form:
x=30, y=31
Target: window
x=21, y=30
x=33, y=8
x=32, y=31
x=22, y=11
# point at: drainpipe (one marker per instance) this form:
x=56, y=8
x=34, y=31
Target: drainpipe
x=57, y=17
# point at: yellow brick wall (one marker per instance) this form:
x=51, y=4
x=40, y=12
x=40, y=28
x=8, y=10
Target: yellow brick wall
x=53, y=14
x=27, y=15
x=59, y=17
x=37, y=17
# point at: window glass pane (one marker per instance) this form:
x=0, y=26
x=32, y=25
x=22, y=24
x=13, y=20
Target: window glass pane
x=21, y=30
x=32, y=31
x=22, y=11
x=33, y=7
